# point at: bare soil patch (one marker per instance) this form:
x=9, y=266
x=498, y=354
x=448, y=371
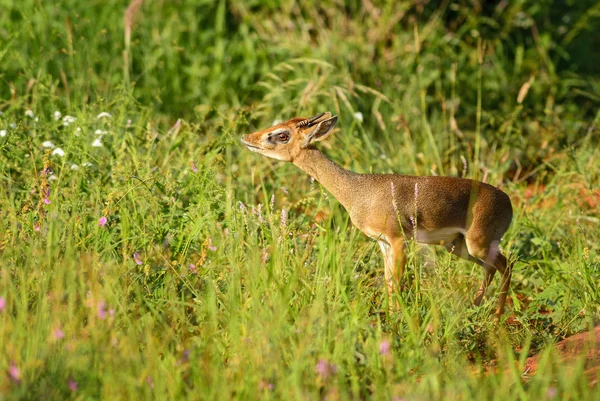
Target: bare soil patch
x=570, y=350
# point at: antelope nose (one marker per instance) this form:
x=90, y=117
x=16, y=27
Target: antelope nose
x=243, y=138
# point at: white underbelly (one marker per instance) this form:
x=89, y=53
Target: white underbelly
x=439, y=236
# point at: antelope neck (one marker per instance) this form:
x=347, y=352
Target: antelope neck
x=337, y=180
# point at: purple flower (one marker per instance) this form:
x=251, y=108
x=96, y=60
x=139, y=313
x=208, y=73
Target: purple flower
x=46, y=201
x=102, y=221
x=72, y=384
x=36, y=226
x=193, y=269
x=150, y=381
x=2, y=303
x=58, y=334
x=136, y=256
x=186, y=356
x=194, y=168
x=384, y=347
x=101, y=310
x=14, y=373
x=325, y=369
x=265, y=385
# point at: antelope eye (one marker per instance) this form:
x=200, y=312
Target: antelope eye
x=283, y=137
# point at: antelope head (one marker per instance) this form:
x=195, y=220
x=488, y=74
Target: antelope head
x=286, y=140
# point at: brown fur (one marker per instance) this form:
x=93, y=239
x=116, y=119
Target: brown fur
x=468, y=217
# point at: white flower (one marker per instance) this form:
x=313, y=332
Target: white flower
x=59, y=152
x=57, y=115
x=29, y=113
x=47, y=144
x=103, y=115
x=97, y=143
x=87, y=164
x=53, y=178
x=68, y=120
x=100, y=132
x=74, y=166
x=12, y=125
x=358, y=116
x=3, y=132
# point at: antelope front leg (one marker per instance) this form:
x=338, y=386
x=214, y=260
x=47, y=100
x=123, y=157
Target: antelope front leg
x=394, y=261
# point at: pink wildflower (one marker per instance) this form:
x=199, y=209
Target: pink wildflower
x=384, y=347
x=46, y=201
x=194, y=168
x=325, y=369
x=2, y=303
x=102, y=221
x=265, y=385
x=139, y=261
x=193, y=269
x=14, y=373
x=58, y=334
x=72, y=384
x=101, y=310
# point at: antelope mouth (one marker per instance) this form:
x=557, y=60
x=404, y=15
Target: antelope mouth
x=250, y=146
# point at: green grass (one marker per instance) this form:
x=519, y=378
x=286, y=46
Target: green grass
x=286, y=299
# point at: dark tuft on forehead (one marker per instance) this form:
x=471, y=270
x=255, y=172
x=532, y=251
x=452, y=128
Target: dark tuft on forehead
x=297, y=120
x=307, y=122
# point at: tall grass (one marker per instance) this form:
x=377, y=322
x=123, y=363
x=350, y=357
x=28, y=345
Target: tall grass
x=171, y=263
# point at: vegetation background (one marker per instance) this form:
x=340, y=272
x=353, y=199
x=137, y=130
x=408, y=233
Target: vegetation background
x=145, y=254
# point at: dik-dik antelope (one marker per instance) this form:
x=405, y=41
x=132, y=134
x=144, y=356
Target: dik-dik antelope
x=468, y=217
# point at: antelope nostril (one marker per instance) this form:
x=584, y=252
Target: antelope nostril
x=242, y=138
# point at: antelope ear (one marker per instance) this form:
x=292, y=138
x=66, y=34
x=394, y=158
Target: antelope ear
x=321, y=131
